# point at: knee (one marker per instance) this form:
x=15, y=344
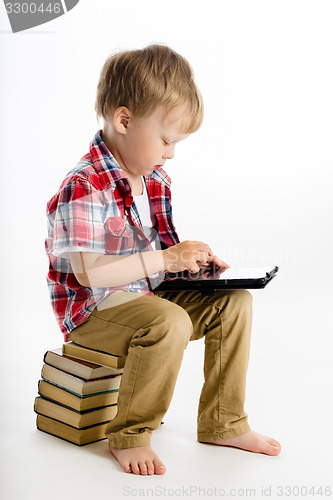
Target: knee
x=236, y=299
x=175, y=323
x=242, y=299
x=243, y=296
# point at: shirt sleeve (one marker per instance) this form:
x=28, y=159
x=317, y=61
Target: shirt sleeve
x=77, y=222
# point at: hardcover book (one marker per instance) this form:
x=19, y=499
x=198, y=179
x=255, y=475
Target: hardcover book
x=102, y=358
x=71, y=417
x=74, y=400
x=64, y=431
x=79, y=385
x=78, y=367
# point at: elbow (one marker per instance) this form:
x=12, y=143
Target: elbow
x=83, y=280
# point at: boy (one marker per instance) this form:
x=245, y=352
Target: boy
x=111, y=238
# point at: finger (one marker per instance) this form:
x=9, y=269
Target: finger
x=201, y=246
x=219, y=262
x=205, y=266
x=193, y=268
x=202, y=258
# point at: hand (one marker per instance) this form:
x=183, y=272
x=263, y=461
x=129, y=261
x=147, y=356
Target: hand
x=187, y=256
x=214, y=261
x=213, y=271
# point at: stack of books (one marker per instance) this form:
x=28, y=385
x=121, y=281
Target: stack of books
x=78, y=393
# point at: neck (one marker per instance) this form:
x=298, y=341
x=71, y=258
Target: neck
x=111, y=143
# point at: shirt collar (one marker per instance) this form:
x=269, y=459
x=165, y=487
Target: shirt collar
x=105, y=163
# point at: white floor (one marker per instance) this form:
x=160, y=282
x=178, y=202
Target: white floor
x=289, y=397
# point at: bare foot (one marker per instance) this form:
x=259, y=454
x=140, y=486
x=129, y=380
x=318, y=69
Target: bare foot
x=139, y=460
x=251, y=441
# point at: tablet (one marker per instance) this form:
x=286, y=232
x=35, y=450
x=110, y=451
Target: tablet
x=212, y=278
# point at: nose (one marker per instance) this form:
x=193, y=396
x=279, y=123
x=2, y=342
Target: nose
x=169, y=152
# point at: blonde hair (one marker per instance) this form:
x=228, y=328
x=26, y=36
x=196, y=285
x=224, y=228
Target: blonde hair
x=144, y=79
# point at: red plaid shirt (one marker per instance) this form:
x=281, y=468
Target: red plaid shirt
x=90, y=212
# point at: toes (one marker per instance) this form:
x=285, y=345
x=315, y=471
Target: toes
x=273, y=442
x=135, y=468
x=150, y=467
x=159, y=467
x=275, y=450
x=140, y=461
x=143, y=468
x=127, y=468
x=271, y=449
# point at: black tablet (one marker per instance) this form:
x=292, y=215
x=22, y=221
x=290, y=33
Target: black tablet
x=212, y=278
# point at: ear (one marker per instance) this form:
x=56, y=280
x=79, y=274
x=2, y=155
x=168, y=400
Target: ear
x=121, y=119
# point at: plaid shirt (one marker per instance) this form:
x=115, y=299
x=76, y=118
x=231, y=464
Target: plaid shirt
x=94, y=211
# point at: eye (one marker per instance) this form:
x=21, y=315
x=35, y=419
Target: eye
x=165, y=143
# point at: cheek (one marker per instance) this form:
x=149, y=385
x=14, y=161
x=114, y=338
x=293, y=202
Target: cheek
x=151, y=149
x=145, y=146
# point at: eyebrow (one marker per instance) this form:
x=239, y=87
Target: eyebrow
x=175, y=140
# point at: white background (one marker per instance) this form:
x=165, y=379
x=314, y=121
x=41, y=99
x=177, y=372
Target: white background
x=255, y=182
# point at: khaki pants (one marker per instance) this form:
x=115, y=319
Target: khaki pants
x=153, y=332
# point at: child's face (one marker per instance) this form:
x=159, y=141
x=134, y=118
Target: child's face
x=150, y=140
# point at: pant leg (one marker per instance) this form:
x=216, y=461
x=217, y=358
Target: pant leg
x=224, y=319
x=153, y=333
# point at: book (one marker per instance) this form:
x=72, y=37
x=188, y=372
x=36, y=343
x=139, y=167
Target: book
x=79, y=437
x=78, y=367
x=74, y=400
x=102, y=358
x=78, y=419
x=79, y=385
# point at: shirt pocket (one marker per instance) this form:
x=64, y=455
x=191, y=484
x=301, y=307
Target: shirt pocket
x=116, y=226
x=118, y=236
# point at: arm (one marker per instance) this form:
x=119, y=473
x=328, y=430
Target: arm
x=96, y=270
